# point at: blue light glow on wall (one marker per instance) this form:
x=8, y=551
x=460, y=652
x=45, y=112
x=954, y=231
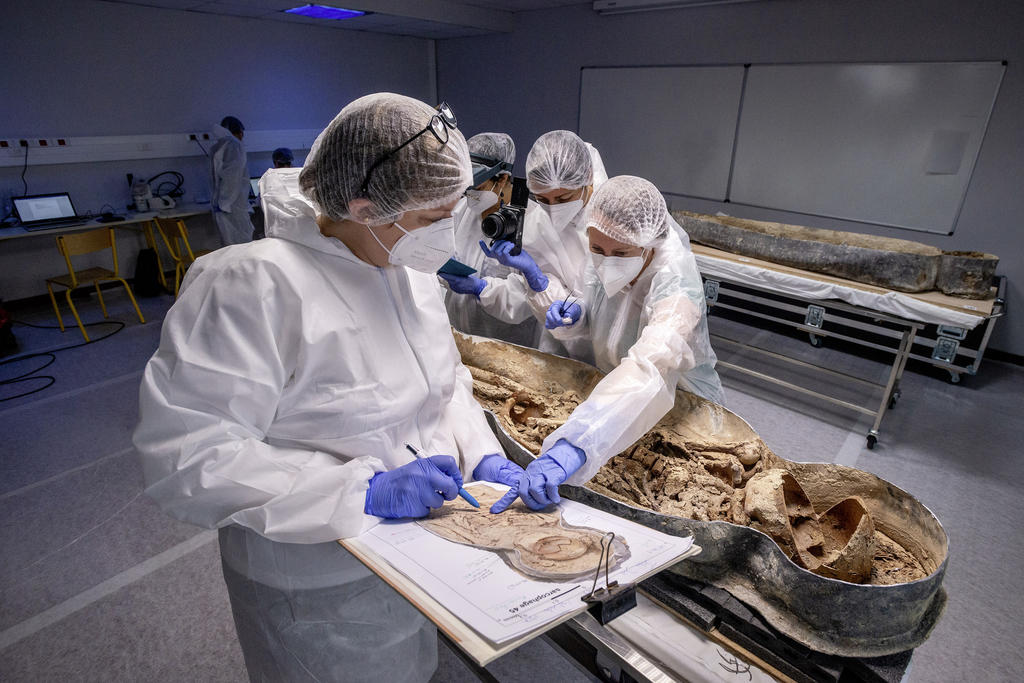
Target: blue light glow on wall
x=325, y=12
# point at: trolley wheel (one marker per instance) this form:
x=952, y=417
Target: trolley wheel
x=872, y=440
x=892, y=401
x=954, y=378
x=815, y=341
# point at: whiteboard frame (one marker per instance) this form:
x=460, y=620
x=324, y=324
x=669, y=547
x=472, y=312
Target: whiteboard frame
x=969, y=176
x=742, y=87
x=739, y=120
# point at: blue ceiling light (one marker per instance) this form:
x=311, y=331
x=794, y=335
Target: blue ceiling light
x=325, y=12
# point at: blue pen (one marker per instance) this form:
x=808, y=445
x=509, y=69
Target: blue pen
x=462, y=492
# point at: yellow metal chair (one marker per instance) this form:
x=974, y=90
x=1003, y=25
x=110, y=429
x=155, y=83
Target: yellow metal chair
x=175, y=236
x=87, y=243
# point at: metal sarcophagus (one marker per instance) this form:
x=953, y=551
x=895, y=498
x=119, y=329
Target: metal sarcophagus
x=835, y=558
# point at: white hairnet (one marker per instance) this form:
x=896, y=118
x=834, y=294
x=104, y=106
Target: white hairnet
x=559, y=159
x=423, y=175
x=497, y=146
x=629, y=209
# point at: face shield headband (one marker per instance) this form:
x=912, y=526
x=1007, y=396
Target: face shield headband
x=484, y=168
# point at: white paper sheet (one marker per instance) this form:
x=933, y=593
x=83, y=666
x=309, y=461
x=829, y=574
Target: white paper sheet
x=680, y=649
x=493, y=599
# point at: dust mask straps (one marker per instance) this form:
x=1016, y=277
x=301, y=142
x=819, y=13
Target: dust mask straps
x=425, y=249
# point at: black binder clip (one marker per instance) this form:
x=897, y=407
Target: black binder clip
x=613, y=600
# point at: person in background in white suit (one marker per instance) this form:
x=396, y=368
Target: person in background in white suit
x=562, y=172
x=230, y=200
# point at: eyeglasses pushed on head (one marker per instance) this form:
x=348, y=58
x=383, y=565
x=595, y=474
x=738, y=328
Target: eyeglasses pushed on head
x=440, y=124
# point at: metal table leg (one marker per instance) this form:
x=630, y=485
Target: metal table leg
x=891, y=391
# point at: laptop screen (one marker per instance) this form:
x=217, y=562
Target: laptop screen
x=44, y=207
x=255, y=183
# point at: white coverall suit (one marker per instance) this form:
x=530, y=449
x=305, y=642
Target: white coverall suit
x=650, y=338
x=561, y=255
x=288, y=373
x=466, y=313
x=230, y=200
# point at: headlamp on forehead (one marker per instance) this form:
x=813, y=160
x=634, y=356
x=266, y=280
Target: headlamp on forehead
x=485, y=168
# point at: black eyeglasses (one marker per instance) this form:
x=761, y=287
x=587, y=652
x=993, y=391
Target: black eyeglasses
x=439, y=124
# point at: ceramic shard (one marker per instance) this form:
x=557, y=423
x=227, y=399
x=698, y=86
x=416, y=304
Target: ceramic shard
x=850, y=541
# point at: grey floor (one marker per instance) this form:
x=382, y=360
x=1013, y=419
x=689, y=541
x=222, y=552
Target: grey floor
x=96, y=584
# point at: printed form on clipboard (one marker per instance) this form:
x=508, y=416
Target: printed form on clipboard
x=502, y=599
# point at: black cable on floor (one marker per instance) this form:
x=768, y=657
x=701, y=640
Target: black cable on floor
x=31, y=376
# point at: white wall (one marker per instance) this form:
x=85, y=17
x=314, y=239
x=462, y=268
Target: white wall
x=91, y=68
x=527, y=82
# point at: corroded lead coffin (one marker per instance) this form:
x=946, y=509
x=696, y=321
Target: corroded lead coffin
x=902, y=265
x=825, y=614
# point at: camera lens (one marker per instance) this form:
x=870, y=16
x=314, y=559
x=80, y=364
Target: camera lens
x=499, y=225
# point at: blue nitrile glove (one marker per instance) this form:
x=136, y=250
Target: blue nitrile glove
x=412, y=489
x=498, y=469
x=558, y=312
x=522, y=262
x=464, y=284
x=538, y=485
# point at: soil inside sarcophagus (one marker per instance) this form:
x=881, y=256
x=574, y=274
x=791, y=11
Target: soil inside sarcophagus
x=674, y=472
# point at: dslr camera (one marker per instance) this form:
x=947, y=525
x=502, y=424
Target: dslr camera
x=507, y=222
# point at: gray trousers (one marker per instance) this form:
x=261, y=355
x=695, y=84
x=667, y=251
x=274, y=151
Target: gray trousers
x=361, y=630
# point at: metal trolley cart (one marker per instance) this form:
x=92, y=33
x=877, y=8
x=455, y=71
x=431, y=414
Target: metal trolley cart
x=948, y=332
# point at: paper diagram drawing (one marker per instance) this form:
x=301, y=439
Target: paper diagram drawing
x=494, y=599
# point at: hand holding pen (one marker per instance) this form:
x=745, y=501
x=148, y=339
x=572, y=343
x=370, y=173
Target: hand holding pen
x=414, y=489
x=462, y=491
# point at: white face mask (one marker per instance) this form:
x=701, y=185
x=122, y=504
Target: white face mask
x=425, y=249
x=616, y=272
x=562, y=214
x=480, y=200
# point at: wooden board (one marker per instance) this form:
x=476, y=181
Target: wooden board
x=978, y=307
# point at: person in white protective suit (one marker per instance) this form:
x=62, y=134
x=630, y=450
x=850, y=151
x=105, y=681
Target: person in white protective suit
x=282, y=157
x=492, y=155
x=562, y=172
x=230, y=200
x=642, y=319
x=291, y=373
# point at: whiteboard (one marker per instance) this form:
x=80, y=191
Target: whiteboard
x=674, y=126
x=890, y=144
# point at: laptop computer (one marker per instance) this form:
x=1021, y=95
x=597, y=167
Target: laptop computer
x=254, y=183
x=45, y=211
